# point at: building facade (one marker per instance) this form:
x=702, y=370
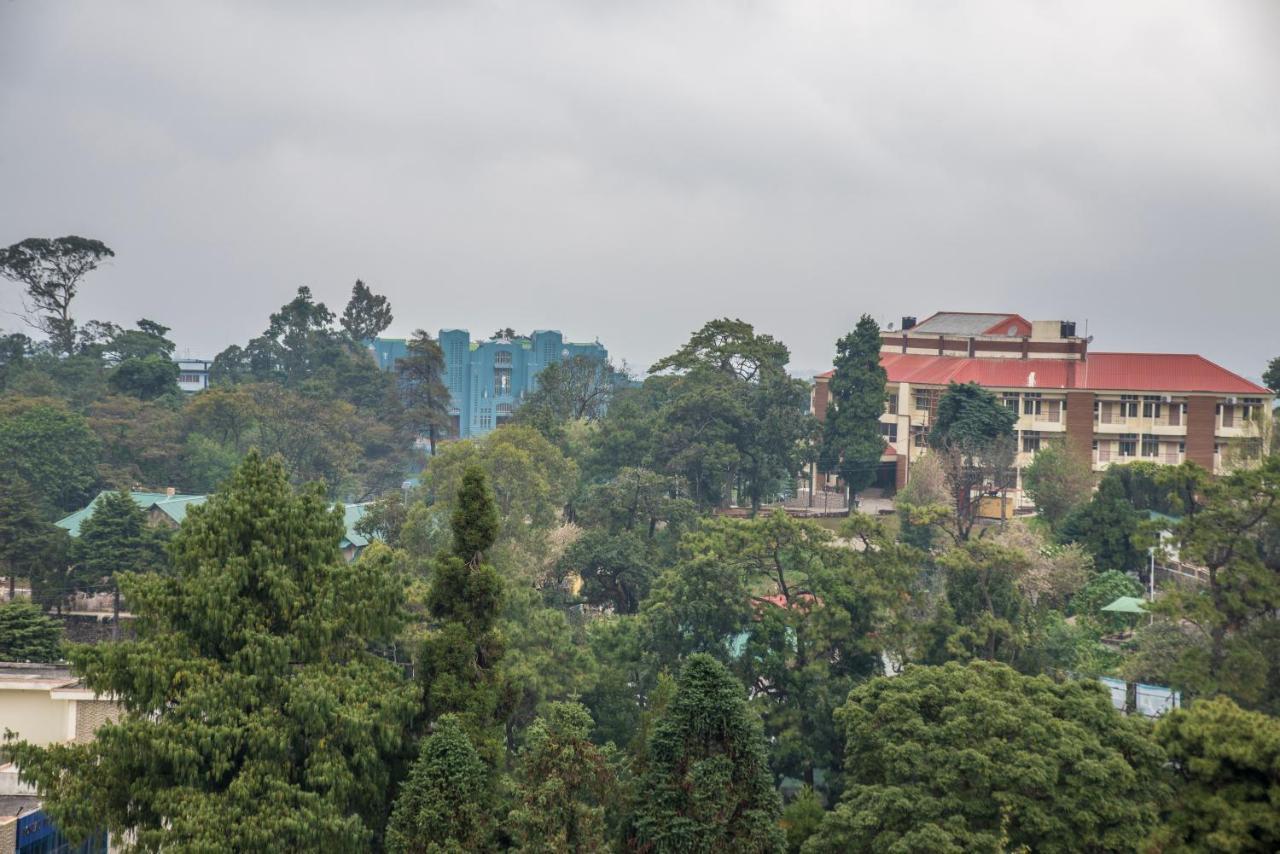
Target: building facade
x=193, y=374
x=1107, y=407
x=488, y=380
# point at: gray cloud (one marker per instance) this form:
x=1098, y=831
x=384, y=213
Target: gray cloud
x=628, y=171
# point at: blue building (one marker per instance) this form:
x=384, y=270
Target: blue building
x=488, y=380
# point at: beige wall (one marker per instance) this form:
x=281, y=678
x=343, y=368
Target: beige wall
x=35, y=716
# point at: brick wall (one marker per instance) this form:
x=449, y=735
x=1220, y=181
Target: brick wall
x=1202, y=417
x=1080, y=424
x=821, y=396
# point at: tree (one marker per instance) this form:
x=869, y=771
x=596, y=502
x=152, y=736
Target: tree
x=1058, y=481
x=51, y=446
x=458, y=660
x=973, y=434
x=733, y=420
x=51, y=271
x=1234, y=533
x=986, y=601
x=708, y=786
x=420, y=379
x=1226, y=766
x=1103, y=589
x=530, y=479
x=979, y=758
x=1107, y=526
x=851, y=440
x=16, y=350
x=251, y=700
x=115, y=539
x=614, y=568
x=563, y=784
x=576, y=389
x=444, y=807
x=29, y=545
x=367, y=314
x=1271, y=378
x=146, y=378
x=26, y=634
x=924, y=503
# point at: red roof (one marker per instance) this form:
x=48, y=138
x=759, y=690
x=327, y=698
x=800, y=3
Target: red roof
x=1150, y=372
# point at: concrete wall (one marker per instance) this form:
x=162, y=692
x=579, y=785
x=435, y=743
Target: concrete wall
x=35, y=716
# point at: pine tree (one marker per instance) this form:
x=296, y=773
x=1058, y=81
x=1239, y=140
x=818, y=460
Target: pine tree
x=444, y=805
x=29, y=545
x=115, y=539
x=256, y=719
x=563, y=784
x=708, y=786
x=459, y=658
x=420, y=378
x=851, y=439
x=26, y=634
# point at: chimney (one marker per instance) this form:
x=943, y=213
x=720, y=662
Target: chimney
x=908, y=323
x=169, y=492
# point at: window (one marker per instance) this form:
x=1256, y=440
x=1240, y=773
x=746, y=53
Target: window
x=1031, y=403
x=1128, y=444
x=922, y=401
x=502, y=357
x=1246, y=411
x=1150, y=445
x=919, y=436
x=502, y=380
x=190, y=378
x=484, y=420
x=891, y=403
x=1030, y=441
x=1151, y=406
x=889, y=432
x=1011, y=400
x=1128, y=406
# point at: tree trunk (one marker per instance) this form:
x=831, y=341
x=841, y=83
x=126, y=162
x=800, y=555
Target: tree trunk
x=115, y=614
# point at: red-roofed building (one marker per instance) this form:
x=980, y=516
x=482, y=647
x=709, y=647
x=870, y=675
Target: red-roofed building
x=1109, y=407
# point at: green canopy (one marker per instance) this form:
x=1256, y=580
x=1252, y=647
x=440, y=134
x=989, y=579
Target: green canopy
x=1127, y=605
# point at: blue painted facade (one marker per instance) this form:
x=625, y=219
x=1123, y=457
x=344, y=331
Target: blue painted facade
x=488, y=380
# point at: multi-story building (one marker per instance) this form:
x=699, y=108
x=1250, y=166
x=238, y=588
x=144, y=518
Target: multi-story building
x=1107, y=407
x=193, y=374
x=488, y=380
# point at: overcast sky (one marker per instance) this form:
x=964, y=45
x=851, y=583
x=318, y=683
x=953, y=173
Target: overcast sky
x=628, y=170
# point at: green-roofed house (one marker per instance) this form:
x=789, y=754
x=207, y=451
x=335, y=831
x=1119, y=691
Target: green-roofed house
x=169, y=509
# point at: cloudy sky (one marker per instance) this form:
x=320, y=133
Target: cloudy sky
x=628, y=170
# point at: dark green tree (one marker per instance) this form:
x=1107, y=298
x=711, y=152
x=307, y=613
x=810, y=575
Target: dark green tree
x=851, y=438
x=255, y=716
x=26, y=634
x=979, y=758
x=445, y=805
x=114, y=540
x=973, y=436
x=1226, y=768
x=614, y=568
x=50, y=272
x=1271, y=377
x=367, y=314
x=1107, y=526
x=564, y=784
x=30, y=546
x=576, y=389
x=16, y=350
x=708, y=786
x=49, y=445
x=147, y=378
x=420, y=378
x=458, y=660
x=1233, y=531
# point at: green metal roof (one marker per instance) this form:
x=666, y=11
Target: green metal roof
x=1127, y=605
x=175, y=507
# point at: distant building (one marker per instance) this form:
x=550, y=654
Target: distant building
x=169, y=509
x=1107, y=407
x=193, y=374
x=488, y=380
